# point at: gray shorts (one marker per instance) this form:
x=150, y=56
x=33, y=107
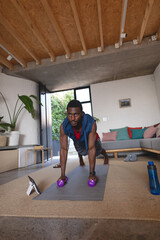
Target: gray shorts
x=82, y=150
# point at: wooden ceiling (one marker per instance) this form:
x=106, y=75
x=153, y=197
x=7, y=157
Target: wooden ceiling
x=33, y=30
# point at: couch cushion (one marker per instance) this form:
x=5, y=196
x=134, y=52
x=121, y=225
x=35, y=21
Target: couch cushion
x=150, y=132
x=129, y=131
x=122, y=133
x=122, y=144
x=137, y=133
x=109, y=136
x=145, y=143
x=155, y=143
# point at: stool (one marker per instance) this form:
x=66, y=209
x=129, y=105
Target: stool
x=35, y=149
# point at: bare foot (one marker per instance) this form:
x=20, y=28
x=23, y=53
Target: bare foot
x=82, y=164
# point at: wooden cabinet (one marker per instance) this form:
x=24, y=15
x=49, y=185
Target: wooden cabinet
x=14, y=157
x=8, y=160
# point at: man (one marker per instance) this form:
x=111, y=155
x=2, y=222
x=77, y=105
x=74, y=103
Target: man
x=81, y=128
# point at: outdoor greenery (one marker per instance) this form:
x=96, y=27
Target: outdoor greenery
x=59, y=103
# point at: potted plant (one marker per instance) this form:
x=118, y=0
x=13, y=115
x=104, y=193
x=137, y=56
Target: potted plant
x=3, y=138
x=23, y=102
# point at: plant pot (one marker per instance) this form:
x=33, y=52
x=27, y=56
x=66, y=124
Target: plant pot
x=3, y=141
x=13, y=138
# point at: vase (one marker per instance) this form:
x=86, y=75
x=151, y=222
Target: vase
x=13, y=138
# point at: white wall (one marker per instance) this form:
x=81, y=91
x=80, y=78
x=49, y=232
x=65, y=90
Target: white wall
x=10, y=88
x=157, y=82
x=144, y=110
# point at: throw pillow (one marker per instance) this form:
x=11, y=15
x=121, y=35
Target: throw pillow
x=156, y=125
x=137, y=133
x=109, y=136
x=158, y=131
x=129, y=130
x=122, y=133
x=150, y=132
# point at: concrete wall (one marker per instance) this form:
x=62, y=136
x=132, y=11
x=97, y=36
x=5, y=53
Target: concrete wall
x=157, y=82
x=144, y=110
x=10, y=88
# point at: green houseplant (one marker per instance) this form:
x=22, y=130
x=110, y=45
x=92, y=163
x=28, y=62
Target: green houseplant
x=23, y=102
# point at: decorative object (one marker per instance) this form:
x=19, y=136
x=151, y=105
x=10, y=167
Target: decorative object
x=25, y=103
x=125, y=102
x=3, y=140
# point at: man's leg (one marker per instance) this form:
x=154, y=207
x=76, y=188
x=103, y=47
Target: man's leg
x=106, y=160
x=81, y=162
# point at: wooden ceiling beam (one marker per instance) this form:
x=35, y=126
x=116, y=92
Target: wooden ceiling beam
x=18, y=37
x=19, y=6
x=123, y=20
x=158, y=33
x=56, y=26
x=6, y=63
x=76, y=18
x=100, y=24
x=145, y=20
x=12, y=52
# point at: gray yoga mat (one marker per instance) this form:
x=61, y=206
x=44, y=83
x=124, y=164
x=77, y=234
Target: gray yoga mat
x=77, y=189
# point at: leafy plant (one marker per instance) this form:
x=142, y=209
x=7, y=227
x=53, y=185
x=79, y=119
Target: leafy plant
x=59, y=111
x=25, y=103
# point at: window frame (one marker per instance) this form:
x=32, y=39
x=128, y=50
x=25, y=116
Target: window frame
x=87, y=87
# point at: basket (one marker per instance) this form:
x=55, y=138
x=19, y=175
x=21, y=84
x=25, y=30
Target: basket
x=3, y=141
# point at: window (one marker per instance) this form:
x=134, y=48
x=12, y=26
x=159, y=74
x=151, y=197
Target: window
x=84, y=96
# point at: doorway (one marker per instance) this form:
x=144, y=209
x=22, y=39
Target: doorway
x=59, y=101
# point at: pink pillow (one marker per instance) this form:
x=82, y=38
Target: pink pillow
x=109, y=136
x=158, y=131
x=149, y=132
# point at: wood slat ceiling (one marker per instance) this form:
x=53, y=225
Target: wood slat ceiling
x=35, y=30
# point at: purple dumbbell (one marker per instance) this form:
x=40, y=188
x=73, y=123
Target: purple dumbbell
x=92, y=182
x=61, y=182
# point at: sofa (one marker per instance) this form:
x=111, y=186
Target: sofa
x=140, y=140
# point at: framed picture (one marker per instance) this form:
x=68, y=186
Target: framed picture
x=125, y=102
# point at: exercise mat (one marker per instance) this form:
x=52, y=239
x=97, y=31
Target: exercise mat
x=77, y=189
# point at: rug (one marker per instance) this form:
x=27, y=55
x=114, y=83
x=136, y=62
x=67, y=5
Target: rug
x=77, y=188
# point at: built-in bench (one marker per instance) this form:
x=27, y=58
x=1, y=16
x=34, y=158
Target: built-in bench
x=137, y=145
x=116, y=151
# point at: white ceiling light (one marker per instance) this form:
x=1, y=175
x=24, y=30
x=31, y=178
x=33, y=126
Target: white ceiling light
x=154, y=37
x=135, y=41
x=9, y=57
x=82, y=53
x=99, y=49
x=117, y=45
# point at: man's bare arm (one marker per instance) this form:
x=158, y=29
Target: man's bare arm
x=63, y=151
x=91, y=147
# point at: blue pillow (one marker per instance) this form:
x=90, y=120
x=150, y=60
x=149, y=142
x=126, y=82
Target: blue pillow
x=122, y=133
x=137, y=133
